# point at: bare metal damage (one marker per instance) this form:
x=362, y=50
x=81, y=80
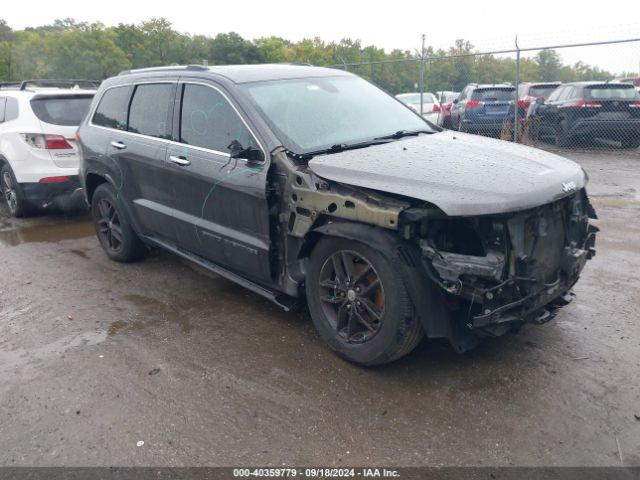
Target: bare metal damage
x=491, y=273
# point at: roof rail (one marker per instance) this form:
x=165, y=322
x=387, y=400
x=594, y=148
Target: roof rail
x=10, y=85
x=49, y=82
x=199, y=68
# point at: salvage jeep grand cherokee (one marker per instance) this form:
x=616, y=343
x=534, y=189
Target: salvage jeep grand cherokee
x=310, y=183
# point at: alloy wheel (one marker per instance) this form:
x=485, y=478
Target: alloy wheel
x=352, y=296
x=109, y=226
x=9, y=191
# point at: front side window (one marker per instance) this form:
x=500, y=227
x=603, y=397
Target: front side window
x=312, y=114
x=150, y=109
x=61, y=110
x=207, y=120
x=112, y=109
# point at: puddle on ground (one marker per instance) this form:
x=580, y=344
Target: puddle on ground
x=155, y=312
x=47, y=230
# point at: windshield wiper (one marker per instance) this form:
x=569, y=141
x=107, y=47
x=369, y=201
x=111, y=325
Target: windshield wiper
x=404, y=133
x=341, y=147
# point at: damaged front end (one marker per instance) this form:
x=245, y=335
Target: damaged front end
x=501, y=271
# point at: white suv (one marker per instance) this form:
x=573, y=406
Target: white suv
x=38, y=153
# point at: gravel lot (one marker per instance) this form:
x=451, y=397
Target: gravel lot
x=97, y=356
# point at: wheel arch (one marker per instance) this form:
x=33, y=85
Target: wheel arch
x=91, y=181
x=428, y=300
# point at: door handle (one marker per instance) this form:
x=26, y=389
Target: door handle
x=182, y=161
x=118, y=145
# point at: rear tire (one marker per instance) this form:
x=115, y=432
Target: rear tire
x=12, y=193
x=113, y=227
x=363, y=323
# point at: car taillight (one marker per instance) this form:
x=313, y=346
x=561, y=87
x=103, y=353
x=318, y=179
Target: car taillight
x=54, y=179
x=634, y=105
x=472, y=104
x=436, y=108
x=524, y=102
x=46, y=141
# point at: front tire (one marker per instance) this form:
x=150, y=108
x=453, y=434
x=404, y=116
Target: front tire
x=12, y=193
x=359, y=304
x=113, y=228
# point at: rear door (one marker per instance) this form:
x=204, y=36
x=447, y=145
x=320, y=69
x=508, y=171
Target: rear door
x=548, y=111
x=139, y=153
x=220, y=207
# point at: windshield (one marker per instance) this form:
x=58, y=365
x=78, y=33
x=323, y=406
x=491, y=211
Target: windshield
x=611, y=92
x=494, y=94
x=67, y=111
x=414, y=98
x=312, y=114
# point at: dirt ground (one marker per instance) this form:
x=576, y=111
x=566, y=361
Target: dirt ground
x=96, y=357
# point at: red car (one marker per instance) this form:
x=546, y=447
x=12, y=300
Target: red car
x=529, y=92
x=446, y=101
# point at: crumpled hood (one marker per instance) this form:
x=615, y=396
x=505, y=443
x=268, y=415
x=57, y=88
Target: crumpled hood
x=461, y=174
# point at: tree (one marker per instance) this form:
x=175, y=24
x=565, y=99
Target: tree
x=549, y=65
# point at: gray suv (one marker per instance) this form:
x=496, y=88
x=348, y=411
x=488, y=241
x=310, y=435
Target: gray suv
x=312, y=186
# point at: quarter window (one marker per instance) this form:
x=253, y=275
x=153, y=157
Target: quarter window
x=207, y=120
x=112, y=109
x=149, y=113
x=11, y=109
x=3, y=101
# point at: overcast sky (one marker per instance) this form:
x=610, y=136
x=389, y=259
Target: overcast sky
x=487, y=24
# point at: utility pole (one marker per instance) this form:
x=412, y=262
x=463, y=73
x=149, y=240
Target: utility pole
x=515, y=101
x=422, y=65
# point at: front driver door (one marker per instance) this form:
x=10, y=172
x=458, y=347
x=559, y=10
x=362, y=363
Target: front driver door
x=220, y=209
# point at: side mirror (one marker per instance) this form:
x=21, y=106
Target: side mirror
x=251, y=154
x=455, y=101
x=539, y=100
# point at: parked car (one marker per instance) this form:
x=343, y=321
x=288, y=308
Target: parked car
x=430, y=105
x=38, y=157
x=446, y=99
x=589, y=110
x=529, y=92
x=312, y=186
x=483, y=108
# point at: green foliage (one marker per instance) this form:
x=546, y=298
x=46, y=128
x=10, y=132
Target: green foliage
x=70, y=49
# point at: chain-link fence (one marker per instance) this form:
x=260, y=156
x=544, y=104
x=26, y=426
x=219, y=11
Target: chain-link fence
x=526, y=95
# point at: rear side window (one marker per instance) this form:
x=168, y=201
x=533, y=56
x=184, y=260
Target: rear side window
x=150, y=110
x=611, y=92
x=63, y=110
x=494, y=94
x=207, y=120
x=112, y=110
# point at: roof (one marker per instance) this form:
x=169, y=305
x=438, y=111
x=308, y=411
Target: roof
x=249, y=73
x=557, y=82
x=600, y=82
x=45, y=92
x=494, y=85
